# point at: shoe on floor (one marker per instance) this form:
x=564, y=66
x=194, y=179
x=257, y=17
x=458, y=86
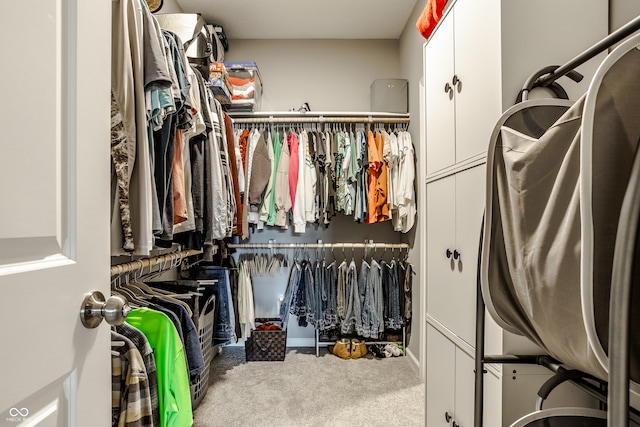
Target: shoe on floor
x=358, y=348
x=342, y=348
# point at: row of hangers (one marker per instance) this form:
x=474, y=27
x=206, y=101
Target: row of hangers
x=322, y=127
x=267, y=261
x=133, y=281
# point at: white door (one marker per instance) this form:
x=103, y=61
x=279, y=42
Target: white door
x=54, y=216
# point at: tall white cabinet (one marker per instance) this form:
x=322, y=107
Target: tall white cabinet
x=475, y=62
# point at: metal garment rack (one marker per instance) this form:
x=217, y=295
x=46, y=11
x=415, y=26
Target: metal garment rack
x=404, y=340
x=320, y=245
x=155, y=264
x=617, y=399
x=319, y=117
x=604, y=44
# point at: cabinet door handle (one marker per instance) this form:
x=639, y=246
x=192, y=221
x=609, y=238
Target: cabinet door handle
x=447, y=88
x=447, y=417
x=448, y=253
x=455, y=424
x=456, y=82
x=456, y=254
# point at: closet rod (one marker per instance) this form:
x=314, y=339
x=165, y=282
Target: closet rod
x=607, y=42
x=318, y=245
x=160, y=260
x=319, y=117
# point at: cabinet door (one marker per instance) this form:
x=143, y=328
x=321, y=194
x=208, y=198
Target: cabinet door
x=470, y=201
x=455, y=206
x=492, y=405
x=464, y=395
x=441, y=303
x=440, y=379
x=439, y=104
x=479, y=70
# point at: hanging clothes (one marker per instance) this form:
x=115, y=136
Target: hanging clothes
x=353, y=310
x=282, y=196
x=370, y=179
x=137, y=65
x=174, y=396
x=404, y=188
x=371, y=302
x=120, y=159
x=131, y=397
x=260, y=165
x=142, y=344
x=267, y=196
x=246, y=309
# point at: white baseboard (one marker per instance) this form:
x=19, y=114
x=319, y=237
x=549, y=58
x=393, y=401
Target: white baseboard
x=415, y=364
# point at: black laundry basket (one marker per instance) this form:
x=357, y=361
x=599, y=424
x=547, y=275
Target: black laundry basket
x=266, y=345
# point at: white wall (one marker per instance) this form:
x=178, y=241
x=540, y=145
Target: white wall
x=621, y=12
x=411, y=68
x=331, y=75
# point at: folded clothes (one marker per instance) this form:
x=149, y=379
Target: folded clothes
x=240, y=100
x=268, y=326
x=246, y=93
x=244, y=87
x=239, y=81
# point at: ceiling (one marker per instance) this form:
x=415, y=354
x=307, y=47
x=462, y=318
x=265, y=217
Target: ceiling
x=305, y=19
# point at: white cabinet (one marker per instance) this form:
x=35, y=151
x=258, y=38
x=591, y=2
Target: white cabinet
x=441, y=386
x=479, y=57
x=461, y=66
x=475, y=63
x=450, y=385
x=455, y=206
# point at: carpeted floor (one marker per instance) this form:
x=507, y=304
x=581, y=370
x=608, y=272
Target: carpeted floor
x=306, y=391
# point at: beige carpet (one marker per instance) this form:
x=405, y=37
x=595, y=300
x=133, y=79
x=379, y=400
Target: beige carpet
x=306, y=390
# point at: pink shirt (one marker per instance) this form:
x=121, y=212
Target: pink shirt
x=292, y=140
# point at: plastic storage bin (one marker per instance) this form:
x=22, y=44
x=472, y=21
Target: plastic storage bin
x=246, y=84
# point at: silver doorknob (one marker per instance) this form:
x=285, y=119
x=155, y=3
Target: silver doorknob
x=95, y=308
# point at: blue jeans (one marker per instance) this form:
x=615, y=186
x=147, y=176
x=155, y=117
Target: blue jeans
x=292, y=288
x=364, y=285
x=321, y=294
x=353, y=313
x=393, y=319
x=377, y=300
x=331, y=283
x=224, y=317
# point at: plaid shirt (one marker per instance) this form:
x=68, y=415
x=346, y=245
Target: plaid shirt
x=142, y=343
x=130, y=401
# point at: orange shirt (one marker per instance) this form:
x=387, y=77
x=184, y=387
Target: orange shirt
x=382, y=207
x=375, y=161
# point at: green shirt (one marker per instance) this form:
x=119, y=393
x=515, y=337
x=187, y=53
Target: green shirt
x=174, y=395
x=277, y=150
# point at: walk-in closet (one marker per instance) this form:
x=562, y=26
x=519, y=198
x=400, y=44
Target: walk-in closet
x=408, y=212
x=274, y=226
